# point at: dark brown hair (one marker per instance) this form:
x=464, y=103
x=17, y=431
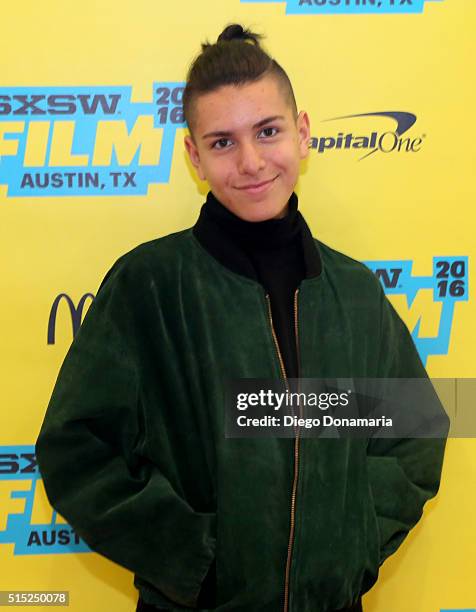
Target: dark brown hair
x=236, y=58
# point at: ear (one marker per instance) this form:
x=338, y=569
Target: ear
x=304, y=133
x=194, y=156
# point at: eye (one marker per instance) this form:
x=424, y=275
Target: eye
x=267, y=129
x=222, y=140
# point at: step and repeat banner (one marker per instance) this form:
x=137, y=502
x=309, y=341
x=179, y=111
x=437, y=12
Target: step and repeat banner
x=92, y=163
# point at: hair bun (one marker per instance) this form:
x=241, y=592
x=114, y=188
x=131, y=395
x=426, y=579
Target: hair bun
x=236, y=32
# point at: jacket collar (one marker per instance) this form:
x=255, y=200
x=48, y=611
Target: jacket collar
x=228, y=238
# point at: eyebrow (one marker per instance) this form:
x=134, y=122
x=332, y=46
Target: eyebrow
x=256, y=125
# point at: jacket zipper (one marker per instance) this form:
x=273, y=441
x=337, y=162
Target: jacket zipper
x=296, y=445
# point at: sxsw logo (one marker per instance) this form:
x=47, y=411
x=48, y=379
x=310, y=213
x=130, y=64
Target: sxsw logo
x=86, y=140
x=425, y=303
x=323, y=7
x=383, y=141
x=26, y=518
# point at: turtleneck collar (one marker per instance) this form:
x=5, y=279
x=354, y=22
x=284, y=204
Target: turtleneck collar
x=231, y=240
x=261, y=235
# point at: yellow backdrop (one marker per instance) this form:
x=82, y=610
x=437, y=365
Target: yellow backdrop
x=92, y=163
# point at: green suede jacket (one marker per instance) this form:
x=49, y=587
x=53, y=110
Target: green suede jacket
x=133, y=453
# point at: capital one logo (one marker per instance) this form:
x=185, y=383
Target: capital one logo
x=425, y=303
x=388, y=141
x=325, y=7
x=26, y=518
x=85, y=141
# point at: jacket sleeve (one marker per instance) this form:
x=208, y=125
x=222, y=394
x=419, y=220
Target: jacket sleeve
x=404, y=472
x=91, y=454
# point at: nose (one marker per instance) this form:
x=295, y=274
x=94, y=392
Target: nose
x=250, y=159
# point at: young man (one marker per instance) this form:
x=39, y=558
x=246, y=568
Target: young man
x=133, y=451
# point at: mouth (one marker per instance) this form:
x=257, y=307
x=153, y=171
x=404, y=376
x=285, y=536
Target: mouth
x=258, y=187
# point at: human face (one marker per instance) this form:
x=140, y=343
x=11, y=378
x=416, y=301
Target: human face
x=247, y=145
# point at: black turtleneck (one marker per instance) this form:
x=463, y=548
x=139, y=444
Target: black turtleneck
x=270, y=252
